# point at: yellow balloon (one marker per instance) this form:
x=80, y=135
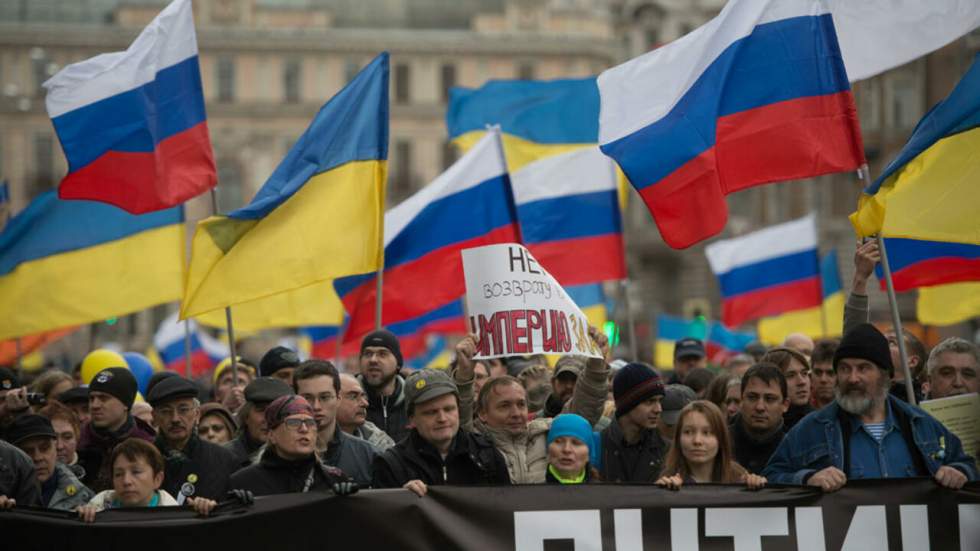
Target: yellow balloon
x=100, y=359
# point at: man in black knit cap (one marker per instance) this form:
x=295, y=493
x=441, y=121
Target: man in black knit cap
x=632, y=448
x=381, y=358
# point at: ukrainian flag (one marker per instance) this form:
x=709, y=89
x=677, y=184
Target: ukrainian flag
x=671, y=329
x=318, y=217
x=826, y=320
x=65, y=263
x=948, y=304
x=926, y=202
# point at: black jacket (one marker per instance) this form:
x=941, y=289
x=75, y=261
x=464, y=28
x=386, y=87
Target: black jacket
x=471, y=460
x=95, y=447
x=795, y=414
x=275, y=475
x=389, y=413
x=17, y=480
x=204, y=467
x=243, y=448
x=641, y=462
x=351, y=455
x=751, y=453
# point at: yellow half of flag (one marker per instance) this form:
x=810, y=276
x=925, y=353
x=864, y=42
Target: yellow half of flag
x=948, y=304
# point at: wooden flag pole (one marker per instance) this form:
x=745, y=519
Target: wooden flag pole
x=231, y=329
x=865, y=174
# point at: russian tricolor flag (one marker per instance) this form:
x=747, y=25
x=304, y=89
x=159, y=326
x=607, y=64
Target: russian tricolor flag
x=469, y=205
x=767, y=272
x=569, y=216
x=759, y=94
x=206, y=351
x=132, y=124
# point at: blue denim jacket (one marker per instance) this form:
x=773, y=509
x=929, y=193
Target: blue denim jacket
x=815, y=443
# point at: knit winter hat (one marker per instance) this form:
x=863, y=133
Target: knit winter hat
x=571, y=424
x=384, y=339
x=865, y=342
x=117, y=382
x=635, y=383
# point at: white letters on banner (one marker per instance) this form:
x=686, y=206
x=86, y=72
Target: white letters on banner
x=517, y=308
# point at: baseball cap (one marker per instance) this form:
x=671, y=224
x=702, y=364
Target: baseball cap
x=688, y=347
x=427, y=384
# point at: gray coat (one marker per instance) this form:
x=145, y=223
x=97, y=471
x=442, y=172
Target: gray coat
x=374, y=436
x=351, y=455
x=71, y=493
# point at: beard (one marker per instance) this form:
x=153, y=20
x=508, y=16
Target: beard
x=861, y=404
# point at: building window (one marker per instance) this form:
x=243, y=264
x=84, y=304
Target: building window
x=226, y=79
x=868, y=104
x=905, y=104
x=43, y=164
x=448, y=73
x=449, y=155
x=525, y=71
x=403, y=168
x=229, y=188
x=403, y=83
x=291, y=80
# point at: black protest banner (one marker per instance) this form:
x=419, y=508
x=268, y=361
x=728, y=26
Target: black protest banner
x=864, y=516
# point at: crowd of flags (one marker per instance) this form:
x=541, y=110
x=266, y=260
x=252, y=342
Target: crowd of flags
x=759, y=94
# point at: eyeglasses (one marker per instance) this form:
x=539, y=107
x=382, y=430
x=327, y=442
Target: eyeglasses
x=183, y=411
x=354, y=395
x=295, y=424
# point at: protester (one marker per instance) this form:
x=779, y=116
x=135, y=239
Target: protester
x=570, y=443
x=725, y=391
x=194, y=467
x=13, y=398
x=675, y=398
x=437, y=451
x=280, y=363
x=758, y=428
x=755, y=350
x=480, y=375
x=144, y=412
x=688, y=354
x=701, y=451
x=52, y=383
x=318, y=382
x=157, y=377
x=567, y=370
x=495, y=368
x=952, y=367
x=60, y=488
x=137, y=473
x=799, y=342
x=289, y=463
x=18, y=485
x=67, y=431
x=796, y=370
x=217, y=424
x=502, y=412
x=866, y=432
x=77, y=399
x=380, y=359
x=352, y=414
x=111, y=395
x=229, y=390
x=632, y=449
x=822, y=379
x=699, y=379
x=738, y=364
x=252, y=429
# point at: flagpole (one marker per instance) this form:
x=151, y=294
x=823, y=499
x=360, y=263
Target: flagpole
x=624, y=284
x=231, y=329
x=865, y=174
x=379, y=279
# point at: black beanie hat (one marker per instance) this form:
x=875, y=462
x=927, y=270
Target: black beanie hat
x=277, y=358
x=867, y=343
x=634, y=383
x=117, y=382
x=385, y=339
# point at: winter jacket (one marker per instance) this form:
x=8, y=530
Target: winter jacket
x=388, y=412
x=17, y=480
x=374, y=436
x=69, y=492
x=275, y=475
x=95, y=446
x=201, y=469
x=751, y=452
x=106, y=500
x=472, y=460
x=245, y=450
x=351, y=455
x=638, y=463
x=795, y=414
x=816, y=443
x=526, y=453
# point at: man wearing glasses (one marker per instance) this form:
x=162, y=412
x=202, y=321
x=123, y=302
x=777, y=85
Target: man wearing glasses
x=194, y=467
x=318, y=382
x=352, y=414
x=289, y=462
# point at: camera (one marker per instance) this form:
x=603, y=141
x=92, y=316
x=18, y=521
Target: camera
x=36, y=399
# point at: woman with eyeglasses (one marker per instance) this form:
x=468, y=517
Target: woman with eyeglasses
x=289, y=462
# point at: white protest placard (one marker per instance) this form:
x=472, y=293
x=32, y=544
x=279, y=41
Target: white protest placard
x=961, y=415
x=516, y=307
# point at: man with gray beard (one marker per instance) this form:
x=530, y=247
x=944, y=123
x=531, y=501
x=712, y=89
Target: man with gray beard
x=865, y=432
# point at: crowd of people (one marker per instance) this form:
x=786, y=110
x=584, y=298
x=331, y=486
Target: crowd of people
x=803, y=413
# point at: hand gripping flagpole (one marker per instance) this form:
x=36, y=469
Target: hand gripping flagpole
x=865, y=174
x=231, y=330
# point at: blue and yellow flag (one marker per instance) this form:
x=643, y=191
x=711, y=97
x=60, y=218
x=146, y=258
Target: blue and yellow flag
x=948, y=304
x=925, y=204
x=318, y=217
x=65, y=263
x=826, y=320
x=671, y=329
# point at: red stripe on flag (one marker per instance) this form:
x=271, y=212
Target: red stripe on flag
x=565, y=259
x=770, y=301
x=182, y=167
x=936, y=271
